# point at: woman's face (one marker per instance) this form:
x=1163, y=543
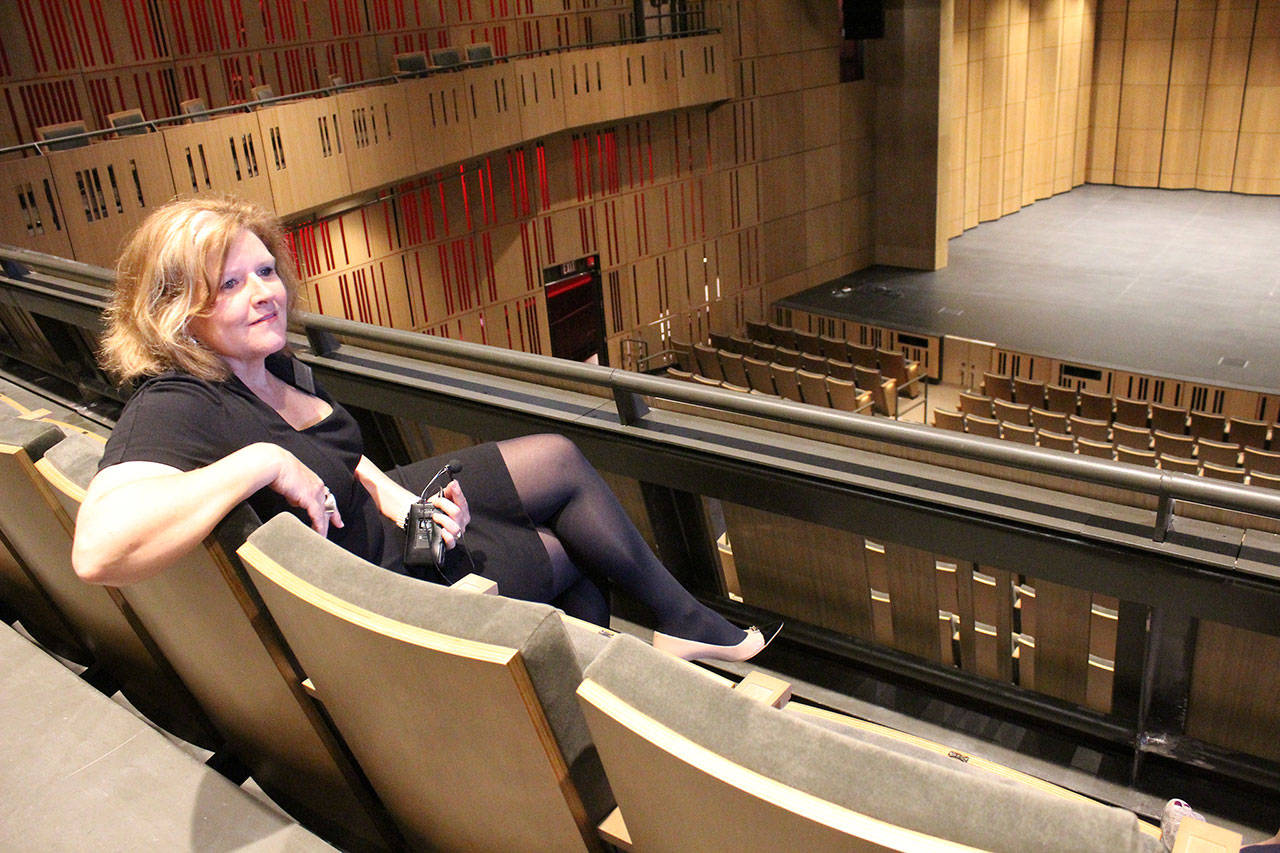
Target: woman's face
x=247, y=321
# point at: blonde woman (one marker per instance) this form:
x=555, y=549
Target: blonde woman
x=224, y=414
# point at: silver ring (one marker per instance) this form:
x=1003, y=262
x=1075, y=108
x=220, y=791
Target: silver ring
x=330, y=503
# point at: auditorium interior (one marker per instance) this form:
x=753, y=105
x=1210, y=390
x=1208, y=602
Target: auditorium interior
x=942, y=331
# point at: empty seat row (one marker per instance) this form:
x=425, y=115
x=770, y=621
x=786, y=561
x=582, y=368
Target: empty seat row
x=1220, y=460
x=775, y=378
x=895, y=365
x=1138, y=438
x=801, y=386
x=1136, y=413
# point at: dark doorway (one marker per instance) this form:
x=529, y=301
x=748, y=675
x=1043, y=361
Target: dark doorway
x=575, y=310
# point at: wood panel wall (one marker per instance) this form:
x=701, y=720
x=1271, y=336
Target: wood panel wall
x=700, y=216
x=1187, y=95
x=996, y=622
x=1020, y=92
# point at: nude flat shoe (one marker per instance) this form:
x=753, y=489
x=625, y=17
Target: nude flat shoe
x=750, y=646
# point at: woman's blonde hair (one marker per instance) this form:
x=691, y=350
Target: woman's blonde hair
x=168, y=273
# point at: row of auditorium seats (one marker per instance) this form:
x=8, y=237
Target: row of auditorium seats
x=132, y=121
x=828, y=385
x=893, y=364
x=1138, y=446
x=356, y=695
x=1011, y=394
x=66, y=135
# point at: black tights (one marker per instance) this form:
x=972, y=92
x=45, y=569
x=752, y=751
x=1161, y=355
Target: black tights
x=590, y=540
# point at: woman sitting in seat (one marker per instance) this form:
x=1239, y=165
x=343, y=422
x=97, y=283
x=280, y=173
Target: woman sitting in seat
x=223, y=414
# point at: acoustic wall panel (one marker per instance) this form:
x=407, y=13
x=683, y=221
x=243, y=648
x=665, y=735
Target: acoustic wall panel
x=493, y=96
x=305, y=153
x=226, y=154
x=378, y=125
x=1188, y=83
x=441, y=128
x=106, y=189
x=31, y=214
x=648, y=78
x=540, y=89
x=593, y=86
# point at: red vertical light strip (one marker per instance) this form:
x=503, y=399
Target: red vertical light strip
x=466, y=197
x=104, y=36
x=551, y=243
x=358, y=289
x=268, y=27
x=491, y=271
x=577, y=168
x=443, y=255
x=364, y=230
x=648, y=144
x=346, y=299
x=342, y=240
x=638, y=202
x=33, y=38
x=493, y=201
x=428, y=213
x=82, y=34
x=179, y=31
x=444, y=209
x=545, y=189
x=386, y=297
x=422, y=290
x=57, y=28
x=475, y=271
x=524, y=254
x=409, y=213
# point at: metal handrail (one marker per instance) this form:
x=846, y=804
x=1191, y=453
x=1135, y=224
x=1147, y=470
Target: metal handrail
x=324, y=91
x=1166, y=486
x=626, y=386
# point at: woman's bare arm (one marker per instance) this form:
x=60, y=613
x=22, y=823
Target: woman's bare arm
x=139, y=517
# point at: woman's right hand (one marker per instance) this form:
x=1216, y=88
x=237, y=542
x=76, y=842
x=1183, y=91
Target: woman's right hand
x=303, y=488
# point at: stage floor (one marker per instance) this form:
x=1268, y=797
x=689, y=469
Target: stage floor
x=1177, y=283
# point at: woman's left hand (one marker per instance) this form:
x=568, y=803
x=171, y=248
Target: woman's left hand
x=452, y=514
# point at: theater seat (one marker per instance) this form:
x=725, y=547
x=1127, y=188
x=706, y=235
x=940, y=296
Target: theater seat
x=458, y=706
x=698, y=766
x=83, y=773
x=38, y=531
x=236, y=667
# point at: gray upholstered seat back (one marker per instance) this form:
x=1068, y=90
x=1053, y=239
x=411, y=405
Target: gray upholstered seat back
x=77, y=457
x=871, y=776
x=535, y=630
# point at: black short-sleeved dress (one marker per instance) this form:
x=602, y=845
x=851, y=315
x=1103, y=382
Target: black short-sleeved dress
x=187, y=423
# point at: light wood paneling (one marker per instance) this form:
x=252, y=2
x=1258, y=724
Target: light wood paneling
x=1233, y=683
x=30, y=212
x=1022, y=77
x=541, y=93
x=830, y=591
x=305, y=153
x=377, y=124
x=106, y=189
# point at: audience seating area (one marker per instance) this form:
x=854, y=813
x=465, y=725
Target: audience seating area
x=378, y=711
x=1188, y=441
x=802, y=366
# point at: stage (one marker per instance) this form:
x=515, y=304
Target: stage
x=1177, y=283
